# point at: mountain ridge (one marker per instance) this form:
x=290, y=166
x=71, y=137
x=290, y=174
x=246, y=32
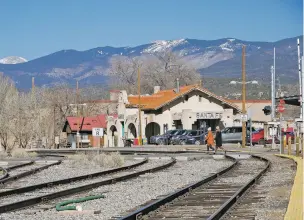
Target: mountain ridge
x=218, y=58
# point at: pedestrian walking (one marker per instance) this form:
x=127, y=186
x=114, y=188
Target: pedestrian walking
x=218, y=139
x=210, y=140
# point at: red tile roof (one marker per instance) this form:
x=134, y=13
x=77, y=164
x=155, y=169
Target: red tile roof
x=87, y=123
x=159, y=99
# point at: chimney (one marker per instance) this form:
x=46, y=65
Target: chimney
x=114, y=95
x=156, y=89
x=177, y=85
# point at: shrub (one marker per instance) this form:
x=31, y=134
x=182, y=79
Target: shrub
x=118, y=159
x=109, y=160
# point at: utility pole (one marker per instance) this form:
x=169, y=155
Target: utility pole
x=244, y=129
x=302, y=108
x=78, y=124
x=300, y=73
x=139, y=110
x=54, y=127
x=33, y=97
x=273, y=105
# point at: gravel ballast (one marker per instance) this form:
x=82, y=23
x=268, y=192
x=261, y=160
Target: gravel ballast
x=123, y=196
x=44, y=191
x=19, y=170
x=67, y=169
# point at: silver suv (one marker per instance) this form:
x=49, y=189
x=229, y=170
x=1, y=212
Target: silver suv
x=233, y=134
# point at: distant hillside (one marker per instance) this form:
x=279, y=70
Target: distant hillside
x=213, y=58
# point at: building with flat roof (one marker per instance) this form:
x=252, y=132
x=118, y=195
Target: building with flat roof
x=254, y=110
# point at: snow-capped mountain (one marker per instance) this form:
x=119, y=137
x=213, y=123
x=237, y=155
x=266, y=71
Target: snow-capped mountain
x=12, y=60
x=216, y=58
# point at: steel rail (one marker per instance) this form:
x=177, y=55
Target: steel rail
x=5, y=173
x=53, y=153
x=45, y=198
x=233, y=199
x=137, y=214
x=27, y=173
x=19, y=165
x=69, y=180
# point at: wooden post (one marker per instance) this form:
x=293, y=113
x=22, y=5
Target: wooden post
x=289, y=146
x=139, y=110
x=78, y=123
x=283, y=143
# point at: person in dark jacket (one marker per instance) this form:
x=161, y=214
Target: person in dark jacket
x=218, y=139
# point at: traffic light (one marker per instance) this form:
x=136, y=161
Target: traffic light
x=267, y=110
x=248, y=123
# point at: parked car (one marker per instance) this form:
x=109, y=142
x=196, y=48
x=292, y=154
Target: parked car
x=196, y=137
x=165, y=138
x=175, y=140
x=234, y=134
x=257, y=137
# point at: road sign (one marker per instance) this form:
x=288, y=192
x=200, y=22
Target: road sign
x=97, y=132
x=282, y=101
x=244, y=117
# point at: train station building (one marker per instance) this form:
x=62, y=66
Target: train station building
x=186, y=107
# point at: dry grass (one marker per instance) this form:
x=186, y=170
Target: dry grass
x=103, y=160
x=118, y=159
x=79, y=159
x=3, y=155
x=19, y=153
x=22, y=153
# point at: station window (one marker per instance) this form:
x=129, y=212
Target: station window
x=186, y=97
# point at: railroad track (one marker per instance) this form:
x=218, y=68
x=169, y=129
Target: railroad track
x=246, y=206
x=5, y=170
x=22, y=170
x=10, y=202
x=209, y=198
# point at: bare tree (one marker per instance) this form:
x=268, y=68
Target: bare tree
x=7, y=94
x=161, y=69
x=123, y=72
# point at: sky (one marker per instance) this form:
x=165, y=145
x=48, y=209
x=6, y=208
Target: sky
x=35, y=28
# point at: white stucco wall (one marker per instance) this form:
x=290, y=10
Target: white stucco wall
x=185, y=110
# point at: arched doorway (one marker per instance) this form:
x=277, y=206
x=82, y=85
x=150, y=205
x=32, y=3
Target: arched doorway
x=131, y=131
x=113, y=137
x=152, y=129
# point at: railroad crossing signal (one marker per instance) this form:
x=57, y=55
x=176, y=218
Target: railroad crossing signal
x=267, y=110
x=281, y=107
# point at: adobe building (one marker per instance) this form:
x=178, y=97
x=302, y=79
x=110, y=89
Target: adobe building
x=254, y=110
x=187, y=107
x=84, y=125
